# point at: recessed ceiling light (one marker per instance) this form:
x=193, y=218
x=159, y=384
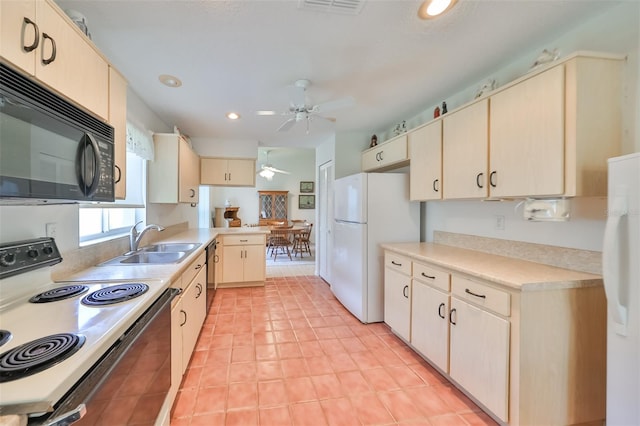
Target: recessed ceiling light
x=233, y=115
x=169, y=80
x=432, y=8
x=266, y=112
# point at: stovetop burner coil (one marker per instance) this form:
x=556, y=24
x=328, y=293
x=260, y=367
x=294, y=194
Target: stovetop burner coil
x=38, y=355
x=59, y=293
x=115, y=294
x=5, y=336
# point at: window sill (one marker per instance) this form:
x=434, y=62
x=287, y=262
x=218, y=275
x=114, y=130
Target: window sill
x=104, y=239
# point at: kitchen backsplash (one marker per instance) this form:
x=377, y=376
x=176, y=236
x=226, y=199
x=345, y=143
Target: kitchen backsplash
x=561, y=257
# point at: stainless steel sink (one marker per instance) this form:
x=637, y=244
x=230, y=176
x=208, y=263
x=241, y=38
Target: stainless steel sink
x=155, y=257
x=171, y=247
x=141, y=258
x=161, y=253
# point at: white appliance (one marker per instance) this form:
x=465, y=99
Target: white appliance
x=370, y=208
x=621, y=273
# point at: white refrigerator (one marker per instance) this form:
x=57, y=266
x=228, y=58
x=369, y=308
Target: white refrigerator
x=370, y=208
x=621, y=274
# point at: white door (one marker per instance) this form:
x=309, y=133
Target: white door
x=349, y=267
x=324, y=239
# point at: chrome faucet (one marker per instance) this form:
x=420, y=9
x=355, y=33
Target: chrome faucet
x=135, y=236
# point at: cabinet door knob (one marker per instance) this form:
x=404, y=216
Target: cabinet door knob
x=119, y=173
x=185, y=317
x=491, y=181
x=51, y=57
x=193, y=193
x=428, y=276
x=441, y=310
x=199, y=287
x=36, y=37
x=478, y=183
x=451, y=312
x=393, y=262
x=405, y=291
x=436, y=187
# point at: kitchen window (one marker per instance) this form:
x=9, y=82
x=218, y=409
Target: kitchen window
x=100, y=221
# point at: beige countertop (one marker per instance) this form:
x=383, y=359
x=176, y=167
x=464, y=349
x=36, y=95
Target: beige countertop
x=512, y=273
x=168, y=272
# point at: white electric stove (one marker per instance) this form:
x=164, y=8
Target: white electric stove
x=54, y=334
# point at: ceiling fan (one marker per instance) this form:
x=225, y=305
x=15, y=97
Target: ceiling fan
x=267, y=171
x=300, y=110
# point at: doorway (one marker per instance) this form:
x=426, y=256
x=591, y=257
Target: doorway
x=324, y=235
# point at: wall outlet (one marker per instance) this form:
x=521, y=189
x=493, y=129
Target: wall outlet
x=500, y=222
x=51, y=229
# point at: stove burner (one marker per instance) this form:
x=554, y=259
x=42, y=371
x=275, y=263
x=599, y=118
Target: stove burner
x=38, y=355
x=5, y=335
x=114, y=294
x=59, y=293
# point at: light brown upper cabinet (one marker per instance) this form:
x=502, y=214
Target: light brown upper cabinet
x=388, y=155
x=425, y=155
x=228, y=171
x=546, y=134
x=38, y=38
x=118, y=119
x=174, y=174
x=466, y=151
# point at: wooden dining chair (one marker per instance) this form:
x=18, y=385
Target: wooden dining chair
x=279, y=240
x=301, y=241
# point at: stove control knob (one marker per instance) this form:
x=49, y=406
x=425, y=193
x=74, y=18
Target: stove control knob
x=47, y=250
x=7, y=259
x=32, y=253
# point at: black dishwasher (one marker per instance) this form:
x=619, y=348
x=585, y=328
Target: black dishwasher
x=212, y=259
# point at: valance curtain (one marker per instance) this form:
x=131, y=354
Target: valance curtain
x=139, y=141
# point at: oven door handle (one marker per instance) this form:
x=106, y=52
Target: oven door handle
x=69, y=417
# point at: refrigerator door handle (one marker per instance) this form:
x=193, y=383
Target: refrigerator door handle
x=611, y=263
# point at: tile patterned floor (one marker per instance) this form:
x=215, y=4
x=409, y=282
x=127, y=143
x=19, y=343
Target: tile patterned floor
x=289, y=353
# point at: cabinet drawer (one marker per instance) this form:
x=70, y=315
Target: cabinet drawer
x=482, y=295
x=241, y=240
x=397, y=263
x=193, y=269
x=433, y=277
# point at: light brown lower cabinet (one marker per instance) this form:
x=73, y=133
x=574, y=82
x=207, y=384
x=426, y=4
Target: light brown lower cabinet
x=534, y=357
x=188, y=312
x=242, y=260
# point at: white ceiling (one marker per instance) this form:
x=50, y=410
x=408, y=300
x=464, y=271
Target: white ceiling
x=242, y=55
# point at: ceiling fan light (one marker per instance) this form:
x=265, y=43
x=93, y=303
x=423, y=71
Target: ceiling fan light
x=266, y=112
x=233, y=115
x=267, y=174
x=432, y=8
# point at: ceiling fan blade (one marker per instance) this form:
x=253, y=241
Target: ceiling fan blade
x=286, y=125
x=331, y=119
x=273, y=169
x=347, y=102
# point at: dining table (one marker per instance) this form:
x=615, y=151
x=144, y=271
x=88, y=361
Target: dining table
x=292, y=232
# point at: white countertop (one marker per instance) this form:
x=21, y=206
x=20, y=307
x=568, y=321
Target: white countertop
x=169, y=272
x=513, y=273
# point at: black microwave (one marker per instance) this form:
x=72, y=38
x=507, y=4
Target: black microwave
x=49, y=148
